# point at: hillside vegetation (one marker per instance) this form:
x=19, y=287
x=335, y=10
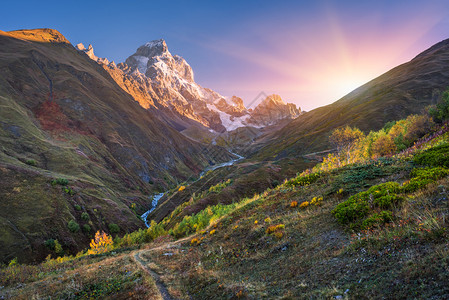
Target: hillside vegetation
x=62, y=116
x=372, y=228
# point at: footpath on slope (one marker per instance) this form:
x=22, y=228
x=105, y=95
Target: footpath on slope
x=157, y=279
x=144, y=265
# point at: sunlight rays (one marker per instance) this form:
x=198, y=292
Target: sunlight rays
x=326, y=59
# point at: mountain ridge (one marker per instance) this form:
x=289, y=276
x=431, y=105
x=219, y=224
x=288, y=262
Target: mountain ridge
x=169, y=82
x=64, y=119
x=403, y=90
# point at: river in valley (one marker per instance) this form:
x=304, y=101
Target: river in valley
x=157, y=197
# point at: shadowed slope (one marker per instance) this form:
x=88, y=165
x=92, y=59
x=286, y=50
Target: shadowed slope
x=63, y=116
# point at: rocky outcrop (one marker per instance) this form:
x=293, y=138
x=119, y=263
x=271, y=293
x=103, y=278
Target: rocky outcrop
x=273, y=109
x=90, y=52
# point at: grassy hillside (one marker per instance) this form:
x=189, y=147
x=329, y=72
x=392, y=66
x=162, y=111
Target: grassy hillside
x=368, y=230
x=406, y=89
x=79, y=155
x=246, y=179
x=63, y=117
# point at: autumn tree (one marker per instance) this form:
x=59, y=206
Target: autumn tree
x=346, y=141
x=101, y=243
x=417, y=126
x=383, y=145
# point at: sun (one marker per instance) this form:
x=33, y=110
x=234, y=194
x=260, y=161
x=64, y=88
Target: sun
x=343, y=86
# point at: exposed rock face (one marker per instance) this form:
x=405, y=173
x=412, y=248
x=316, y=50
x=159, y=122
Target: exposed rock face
x=273, y=109
x=90, y=52
x=165, y=82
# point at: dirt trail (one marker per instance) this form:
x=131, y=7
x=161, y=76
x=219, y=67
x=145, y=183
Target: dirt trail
x=159, y=284
x=144, y=265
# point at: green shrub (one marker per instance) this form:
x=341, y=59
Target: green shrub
x=377, y=219
x=354, y=208
x=31, y=162
x=73, y=226
x=201, y=220
x=385, y=195
x=388, y=201
x=86, y=228
x=155, y=230
x=440, y=112
x=85, y=216
x=113, y=228
x=58, y=248
x=436, y=157
x=50, y=244
x=360, y=172
x=141, y=236
x=77, y=207
x=303, y=180
x=360, y=205
x=422, y=177
x=60, y=181
x=13, y=262
x=68, y=190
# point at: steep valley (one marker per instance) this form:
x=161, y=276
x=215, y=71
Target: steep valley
x=63, y=116
x=252, y=203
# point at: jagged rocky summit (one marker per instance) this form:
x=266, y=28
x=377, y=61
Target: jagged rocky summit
x=165, y=82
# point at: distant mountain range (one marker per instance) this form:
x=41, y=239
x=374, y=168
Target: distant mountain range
x=86, y=141
x=165, y=82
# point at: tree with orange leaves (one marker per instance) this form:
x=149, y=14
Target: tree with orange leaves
x=101, y=243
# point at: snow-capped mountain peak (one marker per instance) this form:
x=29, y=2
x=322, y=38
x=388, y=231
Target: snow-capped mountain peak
x=168, y=82
x=157, y=44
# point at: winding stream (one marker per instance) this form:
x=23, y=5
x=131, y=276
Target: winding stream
x=154, y=201
x=225, y=164
x=157, y=197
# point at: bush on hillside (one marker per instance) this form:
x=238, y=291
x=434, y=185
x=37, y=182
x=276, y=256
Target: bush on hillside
x=86, y=228
x=436, y=157
x=303, y=180
x=346, y=140
x=360, y=205
x=383, y=145
x=73, y=226
x=101, y=243
x=422, y=177
x=219, y=186
x=85, y=216
x=377, y=219
x=141, y=236
x=114, y=228
x=440, y=112
x=50, y=244
x=68, y=190
x=31, y=162
x=60, y=181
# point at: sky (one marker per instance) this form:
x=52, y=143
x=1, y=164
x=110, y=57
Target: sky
x=310, y=53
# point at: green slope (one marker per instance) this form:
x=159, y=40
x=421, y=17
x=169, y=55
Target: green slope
x=275, y=246
x=402, y=91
